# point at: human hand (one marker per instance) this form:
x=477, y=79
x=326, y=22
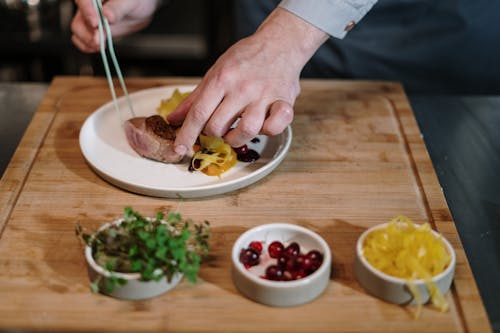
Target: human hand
x=124, y=17
x=255, y=81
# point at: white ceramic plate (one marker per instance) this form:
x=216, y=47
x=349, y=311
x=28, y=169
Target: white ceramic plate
x=105, y=147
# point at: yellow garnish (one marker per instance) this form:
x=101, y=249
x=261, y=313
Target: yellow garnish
x=168, y=105
x=215, y=156
x=411, y=252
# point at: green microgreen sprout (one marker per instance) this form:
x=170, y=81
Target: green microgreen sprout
x=153, y=247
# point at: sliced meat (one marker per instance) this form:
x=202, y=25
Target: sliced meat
x=160, y=127
x=152, y=138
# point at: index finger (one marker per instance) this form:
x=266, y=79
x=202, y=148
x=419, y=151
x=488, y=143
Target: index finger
x=201, y=109
x=88, y=12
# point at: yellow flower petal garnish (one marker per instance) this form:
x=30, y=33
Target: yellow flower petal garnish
x=169, y=104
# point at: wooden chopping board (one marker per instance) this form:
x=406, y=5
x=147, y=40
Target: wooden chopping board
x=357, y=159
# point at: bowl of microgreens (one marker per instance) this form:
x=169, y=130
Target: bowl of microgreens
x=137, y=257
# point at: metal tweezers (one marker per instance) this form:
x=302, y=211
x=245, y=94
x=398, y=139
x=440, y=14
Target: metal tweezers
x=104, y=25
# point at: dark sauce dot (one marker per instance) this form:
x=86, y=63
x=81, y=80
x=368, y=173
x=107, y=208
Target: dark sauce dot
x=255, y=140
x=193, y=165
x=250, y=156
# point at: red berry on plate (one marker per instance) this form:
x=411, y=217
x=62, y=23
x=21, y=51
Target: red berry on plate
x=241, y=150
x=275, y=249
x=257, y=246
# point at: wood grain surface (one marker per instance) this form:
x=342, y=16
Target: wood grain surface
x=357, y=159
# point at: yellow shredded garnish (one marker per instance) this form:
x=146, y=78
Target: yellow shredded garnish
x=215, y=156
x=411, y=252
x=168, y=105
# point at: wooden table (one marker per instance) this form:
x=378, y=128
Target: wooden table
x=356, y=160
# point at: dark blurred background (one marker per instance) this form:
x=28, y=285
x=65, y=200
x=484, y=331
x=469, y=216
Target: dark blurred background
x=184, y=39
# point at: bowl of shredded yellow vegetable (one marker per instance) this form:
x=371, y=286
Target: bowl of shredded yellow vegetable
x=405, y=263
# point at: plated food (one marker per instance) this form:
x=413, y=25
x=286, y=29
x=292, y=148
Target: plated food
x=153, y=137
x=105, y=148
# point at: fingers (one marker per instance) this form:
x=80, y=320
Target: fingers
x=196, y=118
x=248, y=127
x=84, y=36
x=280, y=116
x=88, y=13
x=127, y=16
x=225, y=116
x=83, y=46
x=179, y=114
x=253, y=120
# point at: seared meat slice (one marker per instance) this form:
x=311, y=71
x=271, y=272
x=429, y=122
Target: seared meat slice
x=152, y=138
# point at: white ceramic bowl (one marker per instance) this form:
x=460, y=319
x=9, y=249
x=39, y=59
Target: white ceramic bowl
x=393, y=289
x=134, y=289
x=281, y=293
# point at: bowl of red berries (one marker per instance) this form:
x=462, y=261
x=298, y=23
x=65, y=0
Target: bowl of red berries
x=281, y=264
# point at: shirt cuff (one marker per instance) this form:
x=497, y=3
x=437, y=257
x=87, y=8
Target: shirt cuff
x=335, y=17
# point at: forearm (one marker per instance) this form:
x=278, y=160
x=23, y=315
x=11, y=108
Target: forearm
x=293, y=35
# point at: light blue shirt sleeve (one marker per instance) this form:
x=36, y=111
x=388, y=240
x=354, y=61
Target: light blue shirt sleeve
x=335, y=17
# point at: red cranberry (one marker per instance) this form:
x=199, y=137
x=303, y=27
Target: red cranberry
x=313, y=268
x=257, y=246
x=194, y=165
x=274, y=273
x=303, y=262
x=292, y=250
x=249, y=257
x=275, y=249
x=282, y=262
x=297, y=275
x=241, y=150
x=250, y=156
x=292, y=265
x=315, y=256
